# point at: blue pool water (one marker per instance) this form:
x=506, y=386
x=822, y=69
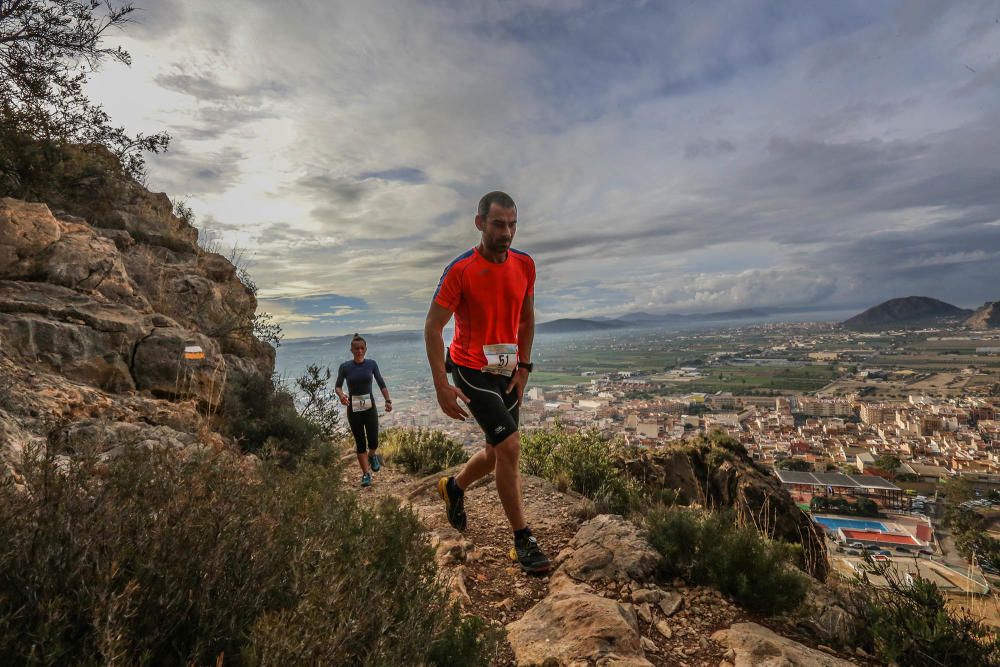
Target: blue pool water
x=851, y=524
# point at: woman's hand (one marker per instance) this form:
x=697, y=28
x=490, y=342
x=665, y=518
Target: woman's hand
x=343, y=400
x=388, y=406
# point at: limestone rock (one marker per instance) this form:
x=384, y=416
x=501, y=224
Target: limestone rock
x=671, y=603
x=572, y=624
x=608, y=548
x=158, y=364
x=653, y=595
x=757, y=646
x=823, y=614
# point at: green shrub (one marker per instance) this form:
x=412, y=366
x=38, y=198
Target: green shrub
x=710, y=548
x=585, y=462
x=908, y=623
x=261, y=416
x=158, y=558
x=421, y=452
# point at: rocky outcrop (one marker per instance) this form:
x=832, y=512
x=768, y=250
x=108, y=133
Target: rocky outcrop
x=113, y=306
x=986, y=317
x=718, y=477
x=608, y=549
x=574, y=626
x=753, y=645
x=95, y=315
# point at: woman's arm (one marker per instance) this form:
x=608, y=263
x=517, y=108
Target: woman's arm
x=381, y=385
x=336, y=386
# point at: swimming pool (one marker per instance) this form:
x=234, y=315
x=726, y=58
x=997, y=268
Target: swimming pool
x=832, y=524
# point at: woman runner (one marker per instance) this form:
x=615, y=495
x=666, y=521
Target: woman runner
x=360, y=402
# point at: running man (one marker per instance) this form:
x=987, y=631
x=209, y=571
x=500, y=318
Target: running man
x=360, y=401
x=491, y=292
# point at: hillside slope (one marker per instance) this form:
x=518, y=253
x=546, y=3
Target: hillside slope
x=907, y=311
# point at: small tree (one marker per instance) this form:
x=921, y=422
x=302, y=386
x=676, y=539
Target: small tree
x=888, y=463
x=48, y=48
x=796, y=465
x=321, y=406
x=957, y=490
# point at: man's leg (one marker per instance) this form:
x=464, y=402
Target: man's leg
x=508, y=457
x=480, y=465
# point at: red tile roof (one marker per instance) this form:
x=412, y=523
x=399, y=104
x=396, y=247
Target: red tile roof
x=872, y=536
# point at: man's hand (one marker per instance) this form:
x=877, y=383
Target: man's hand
x=343, y=400
x=448, y=396
x=518, y=381
x=388, y=406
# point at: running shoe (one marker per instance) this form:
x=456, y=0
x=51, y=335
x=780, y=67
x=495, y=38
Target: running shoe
x=529, y=555
x=454, y=503
x=375, y=461
x=366, y=479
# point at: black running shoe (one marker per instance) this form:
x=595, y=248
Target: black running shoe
x=454, y=503
x=530, y=556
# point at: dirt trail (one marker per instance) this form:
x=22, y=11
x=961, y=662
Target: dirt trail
x=475, y=564
x=498, y=591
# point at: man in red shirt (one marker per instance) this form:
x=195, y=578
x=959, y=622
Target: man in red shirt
x=491, y=292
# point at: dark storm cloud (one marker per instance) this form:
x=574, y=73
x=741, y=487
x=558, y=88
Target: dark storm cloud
x=664, y=155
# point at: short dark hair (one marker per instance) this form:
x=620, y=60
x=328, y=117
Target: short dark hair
x=501, y=199
x=358, y=337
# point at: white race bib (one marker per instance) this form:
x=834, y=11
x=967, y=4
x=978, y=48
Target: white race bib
x=361, y=402
x=501, y=359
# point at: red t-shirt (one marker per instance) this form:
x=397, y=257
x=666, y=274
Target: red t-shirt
x=486, y=299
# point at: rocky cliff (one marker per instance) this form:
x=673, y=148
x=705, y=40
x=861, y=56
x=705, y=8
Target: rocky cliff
x=986, y=317
x=95, y=316
x=726, y=478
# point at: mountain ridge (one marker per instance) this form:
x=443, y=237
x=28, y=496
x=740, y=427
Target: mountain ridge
x=907, y=311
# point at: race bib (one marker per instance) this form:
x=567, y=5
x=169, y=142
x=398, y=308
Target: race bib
x=501, y=359
x=361, y=402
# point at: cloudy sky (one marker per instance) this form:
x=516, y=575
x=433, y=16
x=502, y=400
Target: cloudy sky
x=665, y=156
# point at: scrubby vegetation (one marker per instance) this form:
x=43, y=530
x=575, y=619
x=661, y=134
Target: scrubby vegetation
x=421, y=452
x=907, y=623
x=712, y=548
x=159, y=558
x=260, y=415
x=585, y=462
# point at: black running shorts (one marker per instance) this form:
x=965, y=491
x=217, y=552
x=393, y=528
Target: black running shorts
x=495, y=410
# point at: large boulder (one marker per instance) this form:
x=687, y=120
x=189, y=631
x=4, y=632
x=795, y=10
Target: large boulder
x=573, y=626
x=35, y=246
x=608, y=548
x=70, y=333
x=756, y=646
x=159, y=365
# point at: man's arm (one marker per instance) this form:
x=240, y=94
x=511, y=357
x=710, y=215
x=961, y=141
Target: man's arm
x=447, y=395
x=525, y=338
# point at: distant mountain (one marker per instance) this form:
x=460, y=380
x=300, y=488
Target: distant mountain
x=573, y=325
x=642, y=318
x=987, y=317
x=907, y=311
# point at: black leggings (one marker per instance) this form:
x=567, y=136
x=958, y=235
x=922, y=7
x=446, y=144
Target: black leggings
x=362, y=423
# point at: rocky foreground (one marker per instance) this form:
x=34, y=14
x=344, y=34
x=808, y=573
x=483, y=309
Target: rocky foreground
x=602, y=604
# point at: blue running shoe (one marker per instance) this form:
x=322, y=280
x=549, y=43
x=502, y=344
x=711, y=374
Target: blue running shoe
x=375, y=461
x=366, y=479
